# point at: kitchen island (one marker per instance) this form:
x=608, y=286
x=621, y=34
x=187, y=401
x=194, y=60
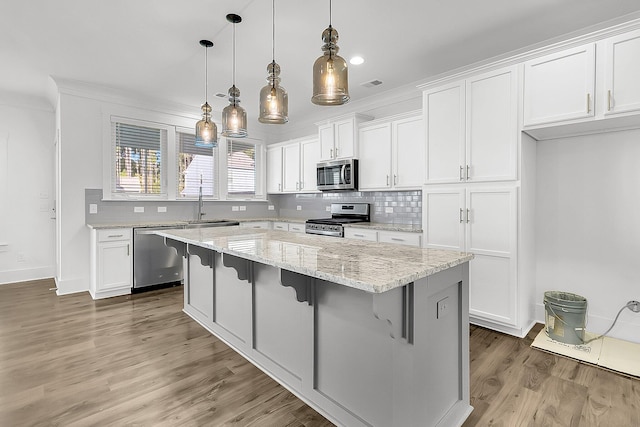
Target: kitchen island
x=369, y=334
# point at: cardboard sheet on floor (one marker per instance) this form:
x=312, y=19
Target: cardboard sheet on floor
x=608, y=353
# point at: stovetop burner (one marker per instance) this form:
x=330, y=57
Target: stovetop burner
x=341, y=213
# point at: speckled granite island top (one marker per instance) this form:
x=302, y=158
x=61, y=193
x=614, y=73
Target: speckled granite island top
x=368, y=266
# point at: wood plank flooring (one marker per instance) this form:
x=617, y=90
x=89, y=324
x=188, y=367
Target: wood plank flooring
x=139, y=361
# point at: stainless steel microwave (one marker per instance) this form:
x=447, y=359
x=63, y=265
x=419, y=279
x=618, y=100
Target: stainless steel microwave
x=337, y=175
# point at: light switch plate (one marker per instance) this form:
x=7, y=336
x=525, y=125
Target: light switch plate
x=388, y=209
x=162, y=209
x=93, y=208
x=235, y=208
x=327, y=208
x=138, y=209
x=298, y=208
x=271, y=207
x=243, y=208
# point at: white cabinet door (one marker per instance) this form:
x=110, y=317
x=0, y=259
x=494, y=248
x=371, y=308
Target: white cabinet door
x=622, y=74
x=560, y=86
x=444, y=112
x=114, y=265
x=309, y=158
x=274, y=170
x=408, y=152
x=291, y=167
x=375, y=157
x=400, y=238
x=491, y=227
x=443, y=219
x=491, y=126
x=325, y=138
x=361, y=234
x=344, y=139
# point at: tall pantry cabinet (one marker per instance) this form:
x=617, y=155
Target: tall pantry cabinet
x=479, y=187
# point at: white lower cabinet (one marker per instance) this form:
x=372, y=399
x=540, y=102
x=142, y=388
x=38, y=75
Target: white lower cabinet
x=484, y=221
x=361, y=234
x=111, y=262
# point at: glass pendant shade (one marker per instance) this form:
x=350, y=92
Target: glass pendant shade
x=234, y=117
x=330, y=76
x=206, y=130
x=274, y=100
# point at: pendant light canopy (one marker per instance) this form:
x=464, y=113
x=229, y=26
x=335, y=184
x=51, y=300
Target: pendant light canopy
x=274, y=100
x=330, y=77
x=234, y=117
x=206, y=130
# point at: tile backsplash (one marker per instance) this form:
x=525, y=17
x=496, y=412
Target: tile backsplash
x=388, y=207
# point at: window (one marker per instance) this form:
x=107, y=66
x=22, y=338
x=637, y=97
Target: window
x=197, y=167
x=137, y=160
x=241, y=168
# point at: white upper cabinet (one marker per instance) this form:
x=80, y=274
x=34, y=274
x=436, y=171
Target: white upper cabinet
x=338, y=138
x=622, y=73
x=309, y=158
x=274, y=169
x=560, y=86
x=392, y=153
x=472, y=129
x=291, y=167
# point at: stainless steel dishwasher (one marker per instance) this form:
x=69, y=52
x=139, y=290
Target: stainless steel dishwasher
x=156, y=265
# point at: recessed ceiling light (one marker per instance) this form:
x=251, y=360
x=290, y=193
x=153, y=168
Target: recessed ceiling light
x=356, y=60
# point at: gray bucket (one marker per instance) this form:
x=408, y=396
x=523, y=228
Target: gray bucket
x=565, y=316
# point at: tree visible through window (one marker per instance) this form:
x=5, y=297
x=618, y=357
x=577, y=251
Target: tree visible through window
x=196, y=168
x=138, y=159
x=241, y=168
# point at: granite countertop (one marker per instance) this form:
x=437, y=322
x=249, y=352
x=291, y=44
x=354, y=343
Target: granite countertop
x=177, y=223
x=368, y=266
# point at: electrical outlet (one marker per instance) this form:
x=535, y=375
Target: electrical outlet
x=162, y=209
x=271, y=207
x=634, y=306
x=138, y=209
x=442, y=308
x=243, y=208
x=327, y=208
x=235, y=208
x=93, y=208
x=388, y=209
x=298, y=208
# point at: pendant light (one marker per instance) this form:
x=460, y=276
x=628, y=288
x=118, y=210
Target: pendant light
x=274, y=100
x=234, y=117
x=206, y=130
x=330, y=80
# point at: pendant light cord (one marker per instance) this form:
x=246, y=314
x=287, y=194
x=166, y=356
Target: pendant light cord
x=234, y=56
x=206, y=75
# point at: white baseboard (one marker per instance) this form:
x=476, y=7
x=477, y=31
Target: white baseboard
x=26, y=275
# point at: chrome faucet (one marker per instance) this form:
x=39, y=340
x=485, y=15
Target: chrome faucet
x=200, y=202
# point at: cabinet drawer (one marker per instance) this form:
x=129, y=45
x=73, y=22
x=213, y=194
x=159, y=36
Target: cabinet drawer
x=296, y=228
x=283, y=226
x=258, y=224
x=400, y=238
x=115, y=234
x=361, y=234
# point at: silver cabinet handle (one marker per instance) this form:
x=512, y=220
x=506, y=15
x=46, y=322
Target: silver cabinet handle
x=279, y=187
x=461, y=172
x=301, y=185
x=387, y=180
x=359, y=235
x=588, y=103
x=609, y=100
x=297, y=186
x=111, y=236
x=331, y=153
x=336, y=152
x=127, y=249
x=461, y=219
x=396, y=239
x=468, y=172
x=468, y=216
x=395, y=179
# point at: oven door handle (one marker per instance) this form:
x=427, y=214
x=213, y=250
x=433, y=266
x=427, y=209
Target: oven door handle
x=343, y=172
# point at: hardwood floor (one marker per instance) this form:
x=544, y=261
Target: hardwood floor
x=139, y=361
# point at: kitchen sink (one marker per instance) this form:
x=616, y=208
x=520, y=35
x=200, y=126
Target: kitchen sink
x=211, y=223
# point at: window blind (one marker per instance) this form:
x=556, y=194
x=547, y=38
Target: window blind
x=197, y=166
x=137, y=159
x=241, y=168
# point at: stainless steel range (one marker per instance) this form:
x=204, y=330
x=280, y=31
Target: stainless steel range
x=341, y=213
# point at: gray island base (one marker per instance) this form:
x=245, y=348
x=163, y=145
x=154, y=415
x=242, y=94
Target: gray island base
x=295, y=305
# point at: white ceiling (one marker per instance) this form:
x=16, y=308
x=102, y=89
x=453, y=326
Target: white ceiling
x=150, y=47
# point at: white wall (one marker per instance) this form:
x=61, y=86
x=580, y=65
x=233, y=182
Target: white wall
x=588, y=225
x=27, y=135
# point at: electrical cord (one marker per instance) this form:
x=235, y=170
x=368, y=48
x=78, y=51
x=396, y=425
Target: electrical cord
x=627, y=305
